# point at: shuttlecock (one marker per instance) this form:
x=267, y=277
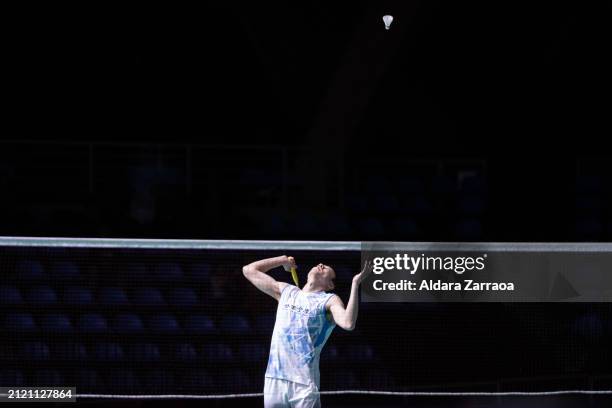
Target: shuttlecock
x=387, y=20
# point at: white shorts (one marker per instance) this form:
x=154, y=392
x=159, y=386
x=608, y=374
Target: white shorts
x=288, y=394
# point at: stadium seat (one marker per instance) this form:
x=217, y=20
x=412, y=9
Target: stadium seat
x=197, y=380
x=468, y=229
x=135, y=272
x=385, y=204
x=199, y=324
x=148, y=297
x=329, y=353
x=163, y=323
x=199, y=272
x=92, y=323
x=305, y=225
x=405, y=228
x=69, y=351
x=264, y=323
x=416, y=205
x=471, y=204
x=342, y=379
x=233, y=379
x=124, y=381
x=443, y=185
x=589, y=327
x=143, y=352
x=48, y=378
x=112, y=296
x=183, y=297
x=589, y=204
x=473, y=184
x=235, y=324
x=29, y=270
x=57, y=323
x=20, y=322
x=253, y=353
x=157, y=381
x=360, y=352
x=11, y=377
x=371, y=228
x=337, y=225
x=41, y=295
x=185, y=352
x=217, y=353
x=168, y=272
x=589, y=184
x=357, y=203
x=411, y=185
x=589, y=228
x=87, y=381
x=107, y=352
x=64, y=270
x=126, y=323
x=77, y=296
x=10, y=295
x=375, y=184
x=35, y=350
x=377, y=379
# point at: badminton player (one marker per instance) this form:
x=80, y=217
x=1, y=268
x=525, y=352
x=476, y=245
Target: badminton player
x=304, y=320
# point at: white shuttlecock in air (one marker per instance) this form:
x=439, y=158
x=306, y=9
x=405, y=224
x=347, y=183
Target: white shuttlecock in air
x=387, y=20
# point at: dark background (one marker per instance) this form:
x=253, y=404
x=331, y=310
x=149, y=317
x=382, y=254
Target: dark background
x=464, y=122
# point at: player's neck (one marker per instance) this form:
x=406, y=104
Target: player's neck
x=311, y=287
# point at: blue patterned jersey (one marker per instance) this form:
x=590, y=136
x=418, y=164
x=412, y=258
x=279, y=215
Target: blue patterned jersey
x=300, y=332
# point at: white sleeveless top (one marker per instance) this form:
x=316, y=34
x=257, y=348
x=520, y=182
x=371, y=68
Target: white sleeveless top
x=300, y=332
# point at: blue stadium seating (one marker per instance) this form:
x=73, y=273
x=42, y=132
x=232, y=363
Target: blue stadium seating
x=127, y=323
x=112, y=296
x=29, y=270
x=48, y=378
x=386, y=204
x=357, y=203
x=199, y=324
x=56, y=323
x=200, y=272
x=589, y=228
x=329, y=353
x=69, y=351
x=35, y=350
x=136, y=272
x=589, y=327
x=360, y=352
x=235, y=324
x=41, y=295
x=185, y=352
x=264, y=323
x=10, y=295
x=168, y=272
x=336, y=225
x=471, y=205
x=410, y=185
x=163, y=323
x=589, y=204
x=343, y=379
x=77, y=296
x=197, y=380
x=87, y=380
x=589, y=184
x=11, y=377
x=64, y=270
x=143, y=352
x=121, y=381
x=405, y=228
x=158, y=381
x=217, y=353
x=107, y=352
x=371, y=228
x=416, y=205
x=183, y=297
x=233, y=379
x=148, y=297
x=253, y=353
x=20, y=322
x=468, y=229
x=473, y=184
x=443, y=185
x=92, y=323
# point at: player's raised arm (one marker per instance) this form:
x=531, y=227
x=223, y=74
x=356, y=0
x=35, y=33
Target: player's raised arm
x=346, y=318
x=256, y=273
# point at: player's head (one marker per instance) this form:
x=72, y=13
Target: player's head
x=322, y=276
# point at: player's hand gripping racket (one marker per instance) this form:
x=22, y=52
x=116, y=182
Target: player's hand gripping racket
x=292, y=267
